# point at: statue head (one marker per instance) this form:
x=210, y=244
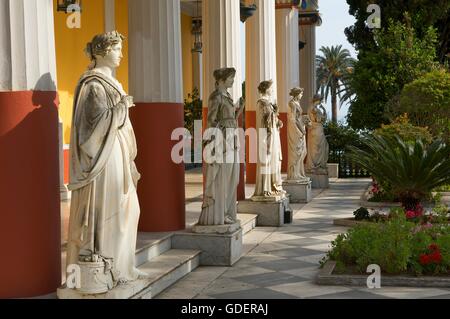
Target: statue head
x=225, y=76
x=265, y=87
x=297, y=92
x=317, y=99
x=105, y=50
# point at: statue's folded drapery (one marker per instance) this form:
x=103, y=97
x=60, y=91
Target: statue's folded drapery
x=104, y=210
x=221, y=178
x=268, y=168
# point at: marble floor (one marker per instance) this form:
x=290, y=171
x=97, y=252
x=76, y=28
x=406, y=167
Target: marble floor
x=282, y=263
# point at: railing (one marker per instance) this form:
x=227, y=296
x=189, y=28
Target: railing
x=347, y=168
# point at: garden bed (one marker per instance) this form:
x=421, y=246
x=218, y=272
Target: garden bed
x=364, y=201
x=327, y=277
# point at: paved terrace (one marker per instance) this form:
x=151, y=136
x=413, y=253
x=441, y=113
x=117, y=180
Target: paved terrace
x=280, y=263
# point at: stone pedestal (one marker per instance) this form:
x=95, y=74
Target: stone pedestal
x=270, y=213
x=319, y=180
x=217, y=229
x=333, y=170
x=217, y=249
x=300, y=192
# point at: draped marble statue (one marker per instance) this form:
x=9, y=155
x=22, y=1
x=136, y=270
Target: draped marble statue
x=222, y=165
x=297, y=150
x=268, y=125
x=318, y=148
x=104, y=210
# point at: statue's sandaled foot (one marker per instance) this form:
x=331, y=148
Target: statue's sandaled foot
x=229, y=220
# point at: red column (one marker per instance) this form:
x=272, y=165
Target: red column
x=30, y=239
x=161, y=190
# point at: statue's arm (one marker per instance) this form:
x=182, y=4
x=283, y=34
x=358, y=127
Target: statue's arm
x=267, y=113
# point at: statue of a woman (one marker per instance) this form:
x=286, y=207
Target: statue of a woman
x=318, y=147
x=268, y=125
x=222, y=170
x=104, y=209
x=297, y=150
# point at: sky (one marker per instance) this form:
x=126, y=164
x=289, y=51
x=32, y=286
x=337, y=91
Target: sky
x=335, y=19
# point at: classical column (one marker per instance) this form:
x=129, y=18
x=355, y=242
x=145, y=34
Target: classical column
x=64, y=192
x=222, y=48
x=261, y=64
x=286, y=18
x=309, y=19
x=155, y=80
x=110, y=12
x=30, y=240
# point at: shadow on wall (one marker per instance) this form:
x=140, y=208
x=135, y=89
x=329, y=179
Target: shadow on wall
x=29, y=191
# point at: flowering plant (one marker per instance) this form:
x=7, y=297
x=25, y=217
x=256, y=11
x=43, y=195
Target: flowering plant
x=432, y=257
x=417, y=212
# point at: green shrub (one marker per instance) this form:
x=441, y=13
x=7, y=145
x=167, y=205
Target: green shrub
x=412, y=170
x=402, y=127
x=427, y=102
x=361, y=214
x=398, y=246
x=384, y=244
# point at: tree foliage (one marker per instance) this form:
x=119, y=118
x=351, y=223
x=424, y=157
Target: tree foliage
x=423, y=13
x=333, y=67
x=398, y=58
x=427, y=103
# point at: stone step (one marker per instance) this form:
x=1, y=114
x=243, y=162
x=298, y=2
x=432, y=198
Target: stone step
x=163, y=270
x=151, y=245
x=248, y=222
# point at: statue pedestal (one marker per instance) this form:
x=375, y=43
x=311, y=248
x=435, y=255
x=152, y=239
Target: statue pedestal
x=333, y=170
x=319, y=178
x=217, y=229
x=299, y=191
x=221, y=245
x=271, y=211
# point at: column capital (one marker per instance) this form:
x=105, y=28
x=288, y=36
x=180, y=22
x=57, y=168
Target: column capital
x=287, y=4
x=309, y=13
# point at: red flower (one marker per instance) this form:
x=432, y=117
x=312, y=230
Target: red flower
x=424, y=259
x=433, y=247
x=410, y=214
x=436, y=257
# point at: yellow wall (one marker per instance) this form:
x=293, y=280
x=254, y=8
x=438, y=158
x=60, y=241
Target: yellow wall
x=122, y=27
x=187, y=42
x=71, y=61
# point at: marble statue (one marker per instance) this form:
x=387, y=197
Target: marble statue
x=268, y=125
x=104, y=210
x=318, y=148
x=297, y=123
x=222, y=175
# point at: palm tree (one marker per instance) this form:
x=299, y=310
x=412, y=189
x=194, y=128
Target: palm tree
x=412, y=170
x=333, y=75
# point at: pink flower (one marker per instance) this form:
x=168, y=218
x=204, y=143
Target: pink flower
x=410, y=214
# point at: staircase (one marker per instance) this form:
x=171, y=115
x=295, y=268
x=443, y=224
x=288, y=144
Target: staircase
x=156, y=257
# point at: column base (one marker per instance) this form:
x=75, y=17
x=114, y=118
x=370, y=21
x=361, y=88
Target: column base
x=333, y=170
x=300, y=192
x=65, y=194
x=217, y=249
x=270, y=213
x=319, y=179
